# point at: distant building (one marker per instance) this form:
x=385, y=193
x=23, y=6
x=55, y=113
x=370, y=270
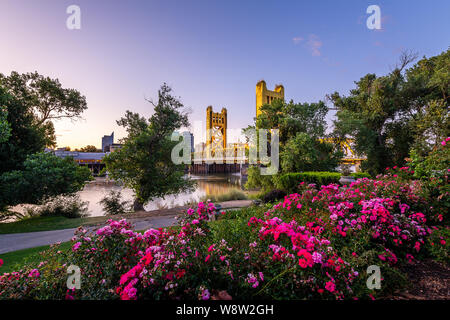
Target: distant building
x=186, y=135
x=107, y=141
x=93, y=160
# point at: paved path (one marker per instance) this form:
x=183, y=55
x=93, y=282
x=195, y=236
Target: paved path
x=18, y=241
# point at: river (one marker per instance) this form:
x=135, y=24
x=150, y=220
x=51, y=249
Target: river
x=207, y=185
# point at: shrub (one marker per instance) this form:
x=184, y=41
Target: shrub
x=70, y=206
x=274, y=195
x=256, y=180
x=359, y=175
x=289, y=181
x=113, y=204
x=233, y=194
x=439, y=245
x=315, y=244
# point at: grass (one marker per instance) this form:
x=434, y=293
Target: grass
x=47, y=223
x=233, y=194
x=13, y=261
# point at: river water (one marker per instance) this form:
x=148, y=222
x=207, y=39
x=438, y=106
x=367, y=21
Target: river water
x=207, y=185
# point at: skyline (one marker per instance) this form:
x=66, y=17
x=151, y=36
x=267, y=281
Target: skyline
x=209, y=52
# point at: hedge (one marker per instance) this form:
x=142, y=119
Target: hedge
x=289, y=181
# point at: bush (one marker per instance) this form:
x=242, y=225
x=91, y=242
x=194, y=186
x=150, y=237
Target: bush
x=439, y=245
x=360, y=175
x=112, y=203
x=233, y=194
x=69, y=206
x=289, y=181
x=256, y=180
x=314, y=244
x=274, y=195
x=44, y=175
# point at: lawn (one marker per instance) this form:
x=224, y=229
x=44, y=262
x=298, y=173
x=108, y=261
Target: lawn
x=13, y=261
x=48, y=223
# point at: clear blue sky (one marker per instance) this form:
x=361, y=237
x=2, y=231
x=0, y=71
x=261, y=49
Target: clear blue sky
x=211, y=52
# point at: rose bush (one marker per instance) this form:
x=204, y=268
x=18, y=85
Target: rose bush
x=315, y=244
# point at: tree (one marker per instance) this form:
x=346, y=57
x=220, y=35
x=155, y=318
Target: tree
x=303, y=153
x=301, y=128
x=428, y=85
x=292, y=118
x=5, y=129
x=144, y=163
x=390, y=114
x=89, y=148
x=47, y=98
x=43, y=176
x=24, y=138
x=32, y=102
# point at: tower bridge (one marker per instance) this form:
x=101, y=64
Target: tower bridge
x=220, y=157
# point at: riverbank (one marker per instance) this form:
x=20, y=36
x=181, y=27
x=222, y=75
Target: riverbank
x=41, y=231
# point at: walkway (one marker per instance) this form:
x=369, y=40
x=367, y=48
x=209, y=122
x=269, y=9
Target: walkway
x=18, y=241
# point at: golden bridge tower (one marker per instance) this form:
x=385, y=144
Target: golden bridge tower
x=216, y=129
x=264, y=96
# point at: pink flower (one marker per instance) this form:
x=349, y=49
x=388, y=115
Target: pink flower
x=1, y=262
x=261, y=276
x=76, y=246
x=330, y=286
x=207, y=257
x=34, y=273
x=205, y=294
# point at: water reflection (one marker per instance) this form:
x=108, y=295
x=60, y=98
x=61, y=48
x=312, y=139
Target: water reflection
x=206, y=185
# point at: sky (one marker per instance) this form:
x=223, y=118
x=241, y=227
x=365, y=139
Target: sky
x=210, y=52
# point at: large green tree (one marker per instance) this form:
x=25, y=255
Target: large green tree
x=32, y=102
x=390, y=114
x=144, y=162
x=302, y=126
x=43, y=176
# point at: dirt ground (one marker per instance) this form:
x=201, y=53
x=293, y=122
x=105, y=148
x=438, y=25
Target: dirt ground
x=429, y=280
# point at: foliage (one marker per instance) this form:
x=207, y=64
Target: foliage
x=69, y=206
x=301, y=127
x=256, y=180
x=32, y=102
x=274, y=195
x=434, y=164
x=304, y=153
x=233, y=194
x=439, y=245
x=315, y=244
x=89, y=148
x=389, y=115
x=46, y=96
x=144, y=163
x=293, y=118
x=289, y=181
x=44, y=175
x=113, y=204
x=5, y=129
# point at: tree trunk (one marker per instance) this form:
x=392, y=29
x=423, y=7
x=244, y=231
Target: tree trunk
x=137, y=205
